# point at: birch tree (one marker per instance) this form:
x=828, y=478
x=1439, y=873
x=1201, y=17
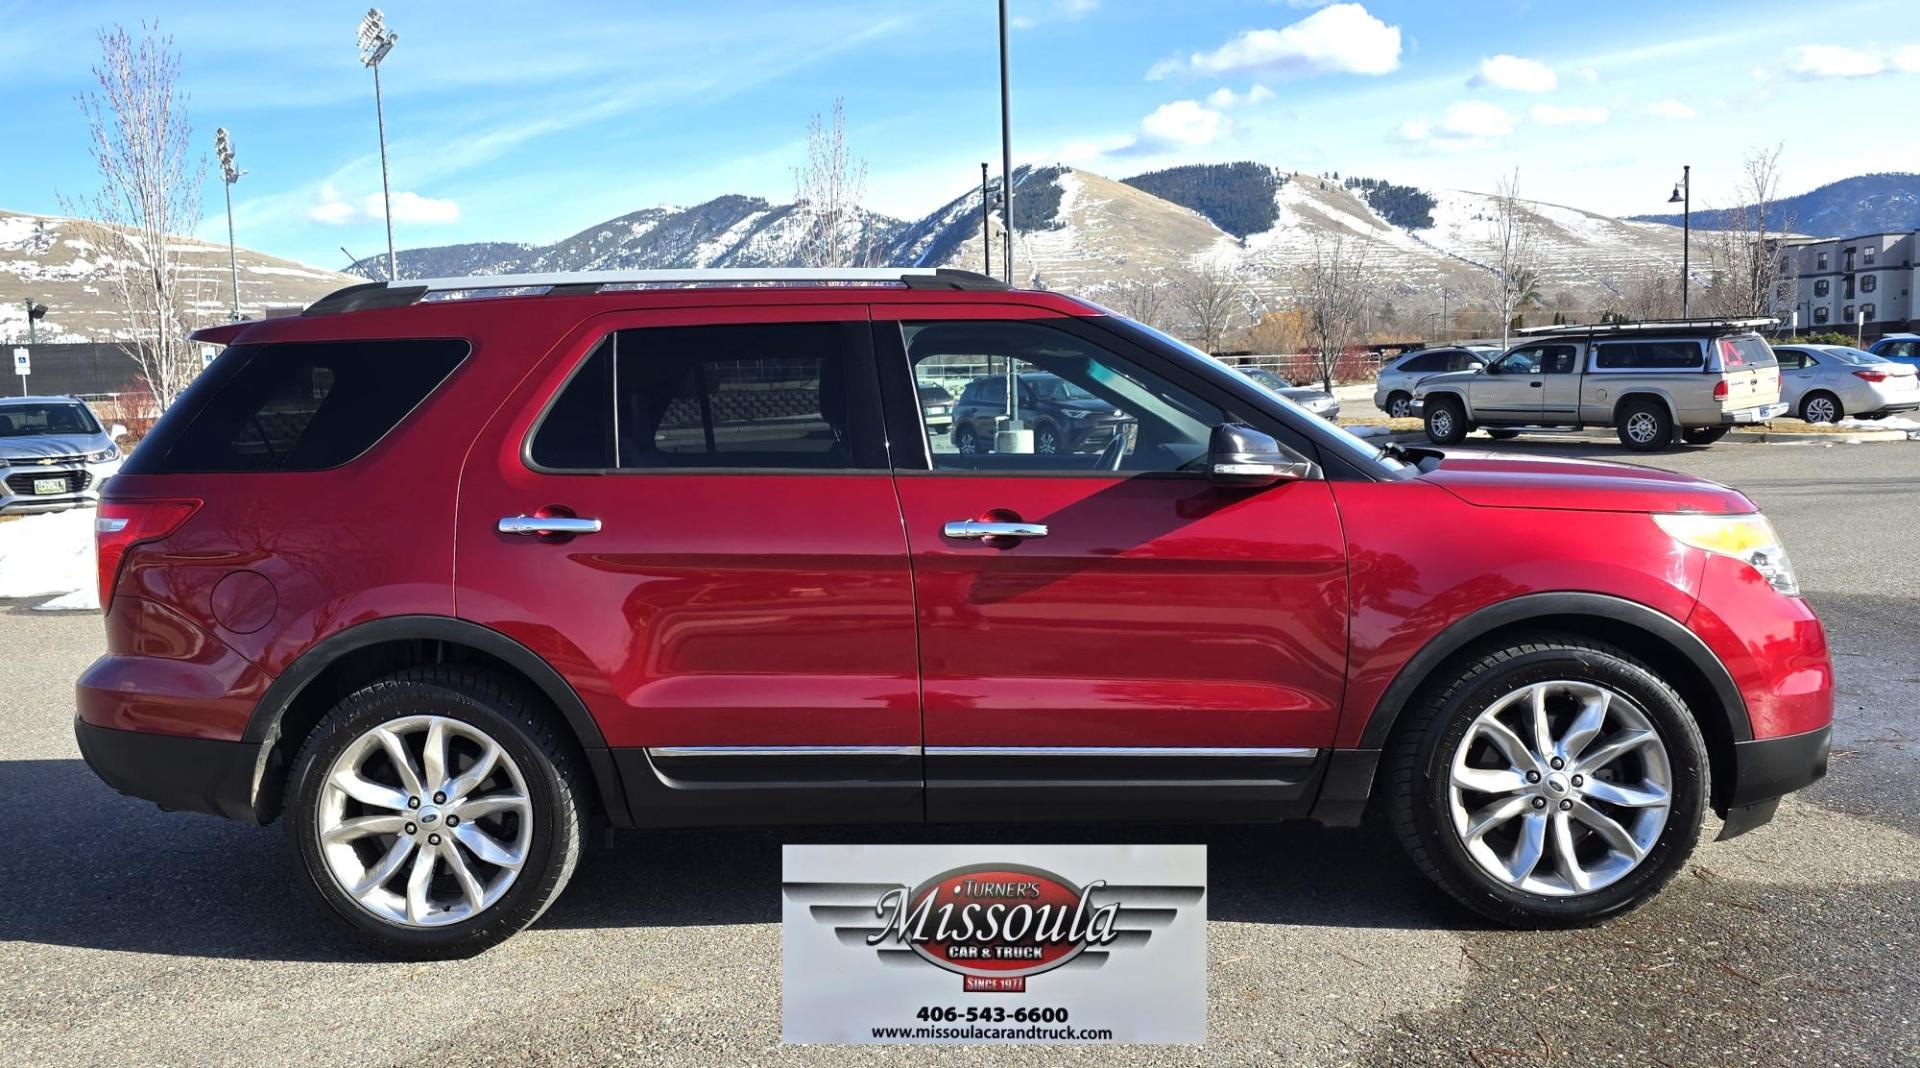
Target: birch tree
x=138, y=135
x=1510, y=238
x=1333, y=290
x=1747, y=272
x=829, y=190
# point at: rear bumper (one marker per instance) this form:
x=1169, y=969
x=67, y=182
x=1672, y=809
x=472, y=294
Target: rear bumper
x=1767, y=769
x=174, y=772
x=1758, y=414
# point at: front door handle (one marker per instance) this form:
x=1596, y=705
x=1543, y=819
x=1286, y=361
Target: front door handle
x=1535, y=385
x=979, y=529
x=548, y=525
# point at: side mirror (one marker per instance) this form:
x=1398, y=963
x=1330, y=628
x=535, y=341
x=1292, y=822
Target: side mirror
x=1242, y=456
x=116, y=431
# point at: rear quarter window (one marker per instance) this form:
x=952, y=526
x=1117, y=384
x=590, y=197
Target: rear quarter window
x=1650, y=356
x=295, y=406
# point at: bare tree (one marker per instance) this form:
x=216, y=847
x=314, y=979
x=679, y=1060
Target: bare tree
x=1746, y=268
x=1654, y=293
x=1279, y=333
x=149, y=191
x=1334, y=292
x=1212, y=300
x=828, y=194
x=1510, y=234
x=1144, y=300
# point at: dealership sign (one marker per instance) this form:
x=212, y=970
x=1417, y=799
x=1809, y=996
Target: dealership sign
x=994, y=944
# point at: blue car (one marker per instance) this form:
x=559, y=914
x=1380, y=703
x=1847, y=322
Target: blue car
x=1900, y=348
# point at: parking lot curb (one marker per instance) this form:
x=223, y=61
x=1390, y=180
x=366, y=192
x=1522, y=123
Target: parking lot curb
x=1757, y=437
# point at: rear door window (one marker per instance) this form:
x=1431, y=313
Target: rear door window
x=295, y=406
x=770, y=395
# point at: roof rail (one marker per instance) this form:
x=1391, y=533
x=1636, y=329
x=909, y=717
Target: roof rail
x=576, y=283
x=1650, y=326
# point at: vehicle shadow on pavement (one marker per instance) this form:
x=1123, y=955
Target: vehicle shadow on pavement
x=109, y=872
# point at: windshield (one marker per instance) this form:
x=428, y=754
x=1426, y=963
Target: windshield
x=1849, y=354
x=1047, y=387
x=1329, y=435
x=51, y=417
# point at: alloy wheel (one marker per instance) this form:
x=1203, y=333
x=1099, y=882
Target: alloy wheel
x=1642, y=427
x=424, y=821
x=1400, y=408
x=1443, y=422
x=1820, y=410
x=1560, y=788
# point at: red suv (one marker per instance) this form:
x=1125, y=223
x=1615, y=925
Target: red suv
x=449, y=573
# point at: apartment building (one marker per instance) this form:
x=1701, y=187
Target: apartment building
x=1837, y=281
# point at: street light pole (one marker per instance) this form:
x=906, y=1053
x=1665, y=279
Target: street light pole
x=229, y=174
x=1683, y=196
x=375, y=42
x=986, y=225
x=1006, y=152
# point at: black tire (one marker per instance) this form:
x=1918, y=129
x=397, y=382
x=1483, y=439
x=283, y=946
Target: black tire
x=1645, y=425
x=1704, y=435
x=1419, y=758
x=966, y=440
x=521, y=726
x=1047, y=440
x=1503, y=435
x=1821, y=407
x=1446, y=420
x=1399, y=405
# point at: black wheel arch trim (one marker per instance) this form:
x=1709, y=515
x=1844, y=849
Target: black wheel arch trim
x=263, y=726
x=1463, y=632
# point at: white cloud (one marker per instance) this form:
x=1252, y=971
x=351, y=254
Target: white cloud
x=1224, y=97
x=1308, y=5
x=1569, y=115
x=1182, y=123
x=1341, y=39
x=1512, y=72
x=334, y=210
x=1465, y=124
x=1589, y=75
x=1671, y=109
x=1841, y=61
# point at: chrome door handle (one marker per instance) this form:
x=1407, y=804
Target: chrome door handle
x=535, y=525
x=976, y=529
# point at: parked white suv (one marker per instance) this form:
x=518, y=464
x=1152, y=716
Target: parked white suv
x=1694, y=379
x=1393, y=392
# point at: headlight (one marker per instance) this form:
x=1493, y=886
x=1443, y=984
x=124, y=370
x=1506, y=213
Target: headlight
x=112, y=452
x=1747, y=538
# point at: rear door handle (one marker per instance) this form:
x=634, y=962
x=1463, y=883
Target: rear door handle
x=977, y=529
x=545, y=525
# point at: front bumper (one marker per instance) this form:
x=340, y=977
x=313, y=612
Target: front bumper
x=1767, y=769
x=173, y=771
x=21, y=486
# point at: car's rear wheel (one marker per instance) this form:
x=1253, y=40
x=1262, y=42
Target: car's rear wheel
x=1399, y=406
x=434, y=813
x=1645, y=426
x=1549, y=782
x=1446, y=421
x=1822, y=408
x=1704, y=435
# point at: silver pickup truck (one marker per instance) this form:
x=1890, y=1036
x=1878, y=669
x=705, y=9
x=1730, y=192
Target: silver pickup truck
x=1691, y=379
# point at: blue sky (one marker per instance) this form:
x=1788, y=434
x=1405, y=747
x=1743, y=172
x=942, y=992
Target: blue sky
x=507, y=122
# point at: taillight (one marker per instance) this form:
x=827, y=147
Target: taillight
x=1720, y=390
x=120, y=525
x=1871, y=376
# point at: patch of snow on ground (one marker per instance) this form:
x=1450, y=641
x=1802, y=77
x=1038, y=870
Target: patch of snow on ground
x=50, y=555
x=1910, y=425
x=1369, y=430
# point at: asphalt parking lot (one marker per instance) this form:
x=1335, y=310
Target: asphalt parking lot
x=131, y=936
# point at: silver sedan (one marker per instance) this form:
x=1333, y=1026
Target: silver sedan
x=1827, y=383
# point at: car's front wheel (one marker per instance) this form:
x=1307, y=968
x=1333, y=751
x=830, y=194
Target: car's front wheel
x=1548, y=782
x=1399, y=406
x=1446, y=421
x=434, y=813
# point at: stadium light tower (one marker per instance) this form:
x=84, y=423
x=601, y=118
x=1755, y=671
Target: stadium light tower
x=376, y=40
x=229, y=174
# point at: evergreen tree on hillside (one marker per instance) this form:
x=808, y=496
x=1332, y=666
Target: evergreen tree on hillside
x=1236, y=197
x=1401, y=205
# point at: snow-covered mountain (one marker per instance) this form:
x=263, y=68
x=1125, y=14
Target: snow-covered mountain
x=50, y=260
x=1086, y=233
